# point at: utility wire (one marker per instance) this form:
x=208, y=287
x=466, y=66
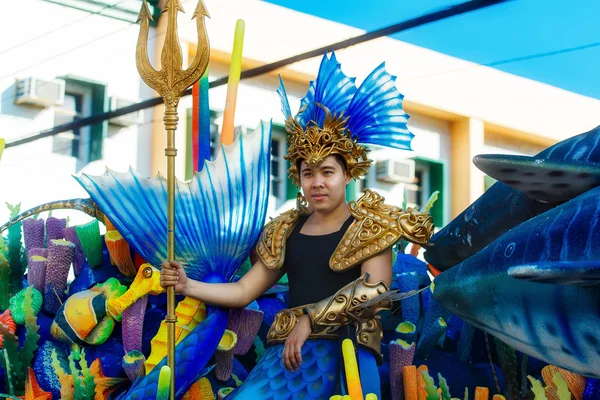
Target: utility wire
x=506, y=61
x=448, y=12
x=45, y=34
x=12, y=97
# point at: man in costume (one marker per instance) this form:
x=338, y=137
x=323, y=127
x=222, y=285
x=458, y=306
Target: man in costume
x=337, y=255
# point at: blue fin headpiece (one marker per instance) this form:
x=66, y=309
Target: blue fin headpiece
x=336, y=117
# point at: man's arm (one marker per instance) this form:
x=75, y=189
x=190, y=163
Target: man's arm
x=379, y=267
x=236, y=294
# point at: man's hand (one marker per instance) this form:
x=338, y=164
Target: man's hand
x=173, y=275
x=292, y=349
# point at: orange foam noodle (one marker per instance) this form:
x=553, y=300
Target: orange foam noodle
x=433, y=270
x=118, y=248
x=109, y=225
x=421, y=392
x=409, y=379
x=482, y=393
x=235, y=70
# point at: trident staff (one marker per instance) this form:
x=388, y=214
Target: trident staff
x=170, y=83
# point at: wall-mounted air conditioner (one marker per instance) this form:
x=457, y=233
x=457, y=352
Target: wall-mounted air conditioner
x=133, y=118
x=40, y=92
x=395, y=171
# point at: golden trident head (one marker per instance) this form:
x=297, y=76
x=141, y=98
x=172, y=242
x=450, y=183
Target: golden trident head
x=170, y=82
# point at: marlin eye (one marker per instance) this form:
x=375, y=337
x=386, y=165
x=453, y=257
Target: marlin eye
x=510, y=249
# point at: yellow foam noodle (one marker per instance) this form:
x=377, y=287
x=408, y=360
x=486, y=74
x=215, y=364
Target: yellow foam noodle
x=351, y=369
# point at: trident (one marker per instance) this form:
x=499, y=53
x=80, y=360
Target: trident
x=170, y=82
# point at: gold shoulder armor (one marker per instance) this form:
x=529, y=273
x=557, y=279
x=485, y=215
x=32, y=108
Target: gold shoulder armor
x=271, y=245
x=376, y=227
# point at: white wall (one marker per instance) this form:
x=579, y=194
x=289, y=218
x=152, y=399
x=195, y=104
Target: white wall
x=88, y=46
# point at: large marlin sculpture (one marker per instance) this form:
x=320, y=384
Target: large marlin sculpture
x=528, y=186
x=527, y=255
x=499, y=290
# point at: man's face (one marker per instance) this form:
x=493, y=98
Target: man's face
x=324, y=186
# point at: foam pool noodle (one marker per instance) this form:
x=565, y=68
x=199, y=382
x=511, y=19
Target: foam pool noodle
x=133, y=364
x=58, y=265
x=224, y=355
x=33, y=233
x=36, y=272
x=401, y=355
x=70, y=234
x=120, y=254
x=54, y=229
x=245, y=322
x=430, y=337
x=91, y=242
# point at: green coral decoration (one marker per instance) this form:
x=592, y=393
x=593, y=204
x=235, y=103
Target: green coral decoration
x=25, y=301
x=562, y=389
x=17, y=259
x=445, y=388
x=237, y=380
x=91, y=242
x=83, y=381
x=79, y=383
x=537, y=388
x=30, y=345
x=259, y=348
x=4, y=277
x=16, y=360
x=432, y=199
x=66, y=388
x=432, y=389
x=9, y=353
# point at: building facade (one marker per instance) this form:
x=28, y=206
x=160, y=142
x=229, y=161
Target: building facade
x=87, y=55
x=60, y=61
x=458, y=109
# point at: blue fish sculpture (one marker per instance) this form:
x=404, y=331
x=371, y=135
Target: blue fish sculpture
x=528, y=186
x=537, y=286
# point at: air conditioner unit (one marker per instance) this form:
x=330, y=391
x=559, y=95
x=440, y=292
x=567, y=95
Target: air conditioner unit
x=395, y=171
x=39, y=92
x=134, y=118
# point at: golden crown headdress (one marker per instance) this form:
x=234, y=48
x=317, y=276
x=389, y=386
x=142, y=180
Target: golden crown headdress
x=336, y=117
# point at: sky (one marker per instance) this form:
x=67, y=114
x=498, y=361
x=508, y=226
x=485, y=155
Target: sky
x=552, y=41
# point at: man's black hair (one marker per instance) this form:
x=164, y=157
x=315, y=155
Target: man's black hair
x=340, y=160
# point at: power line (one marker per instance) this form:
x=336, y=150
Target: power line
x=545, y=54
x=12, y=97
x=60, y=27
x=441, y=14
x=68, y=51
x=507, y=61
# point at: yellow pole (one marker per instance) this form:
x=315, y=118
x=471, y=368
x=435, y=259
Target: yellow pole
x=235, y=71
x=170, y=82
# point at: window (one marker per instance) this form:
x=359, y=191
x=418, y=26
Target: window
x=67, y=143
x=429, y=177
x=82, y=99
x=278, y=176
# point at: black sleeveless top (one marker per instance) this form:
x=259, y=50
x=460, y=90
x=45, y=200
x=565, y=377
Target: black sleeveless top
x=307, y=265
